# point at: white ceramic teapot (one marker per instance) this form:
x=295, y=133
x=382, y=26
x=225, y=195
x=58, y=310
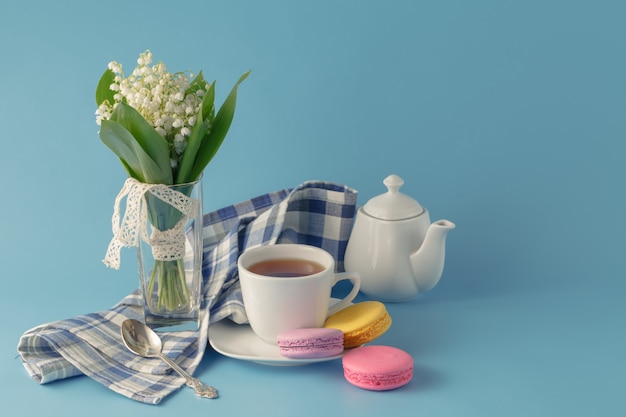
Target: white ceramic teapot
x=394, y=247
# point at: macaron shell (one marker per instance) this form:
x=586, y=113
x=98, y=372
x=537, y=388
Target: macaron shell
x=312, y=352
x=360, y=323
x=310, y=343
x=378, y=368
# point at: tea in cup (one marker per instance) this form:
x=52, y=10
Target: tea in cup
x=288, y=286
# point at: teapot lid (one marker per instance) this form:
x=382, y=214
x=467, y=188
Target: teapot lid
x=393, y=205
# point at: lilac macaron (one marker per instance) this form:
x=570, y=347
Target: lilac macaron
x=377, y=368
x=310, y=343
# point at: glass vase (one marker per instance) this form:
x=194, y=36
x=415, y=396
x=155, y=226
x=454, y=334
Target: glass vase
x=170, y=257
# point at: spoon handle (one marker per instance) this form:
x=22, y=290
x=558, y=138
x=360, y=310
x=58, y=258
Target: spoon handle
x=199, y=388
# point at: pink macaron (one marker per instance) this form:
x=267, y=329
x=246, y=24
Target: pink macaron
x=377, y=368
x=310, y=343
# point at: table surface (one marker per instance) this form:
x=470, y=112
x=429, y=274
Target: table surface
x=507, y=118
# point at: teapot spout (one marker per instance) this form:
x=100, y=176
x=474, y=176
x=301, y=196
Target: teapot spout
x=427, y=262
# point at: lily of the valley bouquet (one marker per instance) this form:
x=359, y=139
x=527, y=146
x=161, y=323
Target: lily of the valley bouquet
x=164, y=128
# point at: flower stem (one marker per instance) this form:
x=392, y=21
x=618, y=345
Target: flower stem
x=167, y=289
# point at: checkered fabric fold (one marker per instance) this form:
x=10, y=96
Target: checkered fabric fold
x=314, y=213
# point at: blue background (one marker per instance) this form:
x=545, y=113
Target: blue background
x=506, y=117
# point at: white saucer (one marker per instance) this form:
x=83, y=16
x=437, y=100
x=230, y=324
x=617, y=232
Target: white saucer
x=240, y=342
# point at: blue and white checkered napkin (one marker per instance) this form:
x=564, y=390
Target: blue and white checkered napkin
x=314, y=213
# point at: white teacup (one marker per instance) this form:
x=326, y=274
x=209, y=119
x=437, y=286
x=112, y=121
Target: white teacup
x=288, y=286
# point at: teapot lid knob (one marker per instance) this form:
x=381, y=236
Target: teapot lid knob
x=393, y=205
x=393, y=183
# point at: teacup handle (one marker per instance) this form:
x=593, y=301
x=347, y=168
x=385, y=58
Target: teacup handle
x=355, y=279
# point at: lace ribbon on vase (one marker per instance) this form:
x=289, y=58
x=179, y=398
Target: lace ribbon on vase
x=167, y=245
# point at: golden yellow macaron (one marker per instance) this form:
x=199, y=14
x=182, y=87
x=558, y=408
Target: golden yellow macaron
x=360, y=322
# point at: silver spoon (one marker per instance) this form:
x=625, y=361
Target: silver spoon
x=143, y=341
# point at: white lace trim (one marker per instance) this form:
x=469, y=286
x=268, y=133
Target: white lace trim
x=167, y=245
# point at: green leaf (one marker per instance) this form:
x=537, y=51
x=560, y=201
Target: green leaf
x=212, y=142
x=131, y=172
x=137, y=162
x=188, y=158
x=149, y=139
x=198, y=83
x=103, y=90
x=208, y=104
